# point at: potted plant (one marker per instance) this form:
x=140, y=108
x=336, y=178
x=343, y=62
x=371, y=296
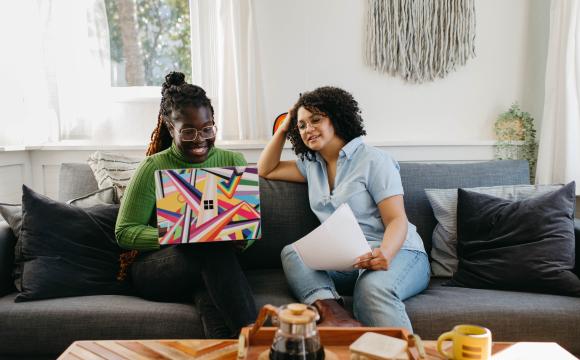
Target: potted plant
x=516, y=137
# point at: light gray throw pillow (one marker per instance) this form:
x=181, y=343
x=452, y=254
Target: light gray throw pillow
x=444, y=204
x=113, y=170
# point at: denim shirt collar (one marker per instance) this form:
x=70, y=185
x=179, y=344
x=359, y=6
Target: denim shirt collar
x=349, y=149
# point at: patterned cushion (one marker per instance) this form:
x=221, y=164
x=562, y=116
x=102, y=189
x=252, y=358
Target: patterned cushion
x=444, y=204
x=113, y=170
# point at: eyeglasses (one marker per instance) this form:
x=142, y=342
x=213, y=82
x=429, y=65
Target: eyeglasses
x=190, y=134
x=314, y=122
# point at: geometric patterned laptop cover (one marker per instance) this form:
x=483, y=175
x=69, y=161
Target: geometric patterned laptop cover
x=208, y=204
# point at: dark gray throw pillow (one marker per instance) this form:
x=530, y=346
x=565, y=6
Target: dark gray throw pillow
x=525, y=245
x=12, y=213
x=67, y=250
x=444, y=205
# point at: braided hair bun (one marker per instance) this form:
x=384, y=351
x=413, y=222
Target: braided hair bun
x=174, y=78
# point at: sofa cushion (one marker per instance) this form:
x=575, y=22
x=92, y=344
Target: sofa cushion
x=444, y=204
x=577, y=236
x=67, y=250
x=114, y=317
x=510, y=315
x=417, y=177
x=75, y=180
x=50, y=326
x=270, y=287
x=100, y=197
x=282, y=203
x=525, y=245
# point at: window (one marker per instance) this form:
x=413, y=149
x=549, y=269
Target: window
x=208, y=204
x=96, y=67
x=148, y=38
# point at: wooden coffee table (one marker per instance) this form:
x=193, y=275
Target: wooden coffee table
x=228, y=350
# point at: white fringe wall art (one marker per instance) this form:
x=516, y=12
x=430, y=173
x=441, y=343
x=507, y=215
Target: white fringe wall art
x=419, y=40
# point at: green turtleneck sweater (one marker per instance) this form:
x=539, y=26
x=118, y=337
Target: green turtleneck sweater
x=136, y=226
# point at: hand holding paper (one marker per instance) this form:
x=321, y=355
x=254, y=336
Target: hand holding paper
x=335, y=244
x=374, y=260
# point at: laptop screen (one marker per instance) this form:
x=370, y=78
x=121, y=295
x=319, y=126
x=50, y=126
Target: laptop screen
x=207, y=204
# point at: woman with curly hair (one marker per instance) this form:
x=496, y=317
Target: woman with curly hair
x=326, y=129
x=183, y=138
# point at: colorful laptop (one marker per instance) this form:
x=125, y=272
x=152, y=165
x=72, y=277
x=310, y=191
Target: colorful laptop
x=207, y=204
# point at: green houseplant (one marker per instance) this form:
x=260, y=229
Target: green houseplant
x=516, y=137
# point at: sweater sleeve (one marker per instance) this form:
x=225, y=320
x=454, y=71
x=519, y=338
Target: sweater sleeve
x=239, y=159
x=132, y=228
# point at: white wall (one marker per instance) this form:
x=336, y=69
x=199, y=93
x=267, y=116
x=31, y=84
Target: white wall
x=310, y=43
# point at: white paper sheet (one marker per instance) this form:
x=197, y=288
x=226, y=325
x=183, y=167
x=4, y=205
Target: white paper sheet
x=335, y=244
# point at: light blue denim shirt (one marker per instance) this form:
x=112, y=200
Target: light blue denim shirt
x=365, y=175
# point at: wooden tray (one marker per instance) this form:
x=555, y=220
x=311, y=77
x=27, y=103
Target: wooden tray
x=335, y=339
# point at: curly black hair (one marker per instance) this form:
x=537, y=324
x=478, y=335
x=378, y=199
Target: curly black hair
x=338, y=105
x=176, y=94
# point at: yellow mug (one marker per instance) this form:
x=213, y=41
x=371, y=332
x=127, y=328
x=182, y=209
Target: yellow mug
x=470, y=342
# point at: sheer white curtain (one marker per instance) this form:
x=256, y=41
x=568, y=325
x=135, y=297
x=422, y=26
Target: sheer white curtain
x=26, y=115
x=77, y=41
x=226, y=64
x=56, y=79
x=559, y=152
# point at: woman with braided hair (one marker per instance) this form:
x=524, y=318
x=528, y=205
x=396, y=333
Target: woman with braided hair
x=184, y=138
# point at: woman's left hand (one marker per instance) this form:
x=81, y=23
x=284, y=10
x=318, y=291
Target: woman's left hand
x=374, y=260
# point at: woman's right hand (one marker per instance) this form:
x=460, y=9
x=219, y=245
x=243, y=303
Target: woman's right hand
x=285, y=126
x=269, y=164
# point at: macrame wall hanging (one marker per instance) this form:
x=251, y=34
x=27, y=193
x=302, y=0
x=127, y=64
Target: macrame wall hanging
x=419, y=40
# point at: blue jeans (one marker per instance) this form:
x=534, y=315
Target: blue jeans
x=377, y=295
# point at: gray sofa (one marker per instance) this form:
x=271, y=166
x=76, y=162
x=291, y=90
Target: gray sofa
x=45, y=328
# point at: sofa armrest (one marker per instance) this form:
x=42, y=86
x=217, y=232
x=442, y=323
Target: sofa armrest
x=7, y=243
x=577, y=237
